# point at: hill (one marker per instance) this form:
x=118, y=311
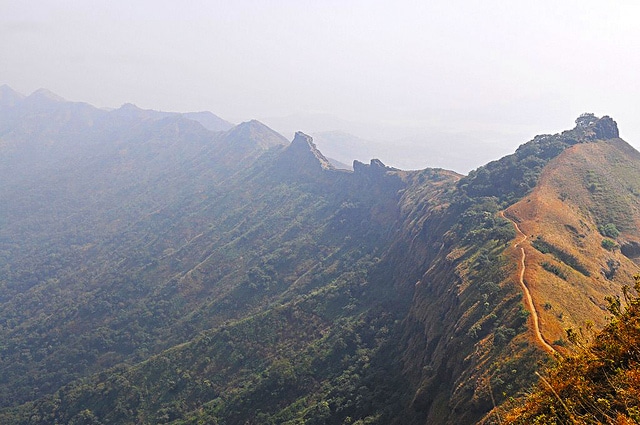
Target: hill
x=155, y=271
x=581, y=221
x=470, y=331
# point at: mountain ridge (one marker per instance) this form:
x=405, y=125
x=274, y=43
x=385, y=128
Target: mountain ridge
x=40, y=98
x=173, y=274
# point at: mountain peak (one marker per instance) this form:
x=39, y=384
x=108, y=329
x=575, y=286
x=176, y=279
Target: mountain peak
x=131, y=112
x=255, y=133
x=303, y=144
x=303, y=140
x=375, y=166
x=8, y=96
x=252, y=125
x=209, y=120
x=129, y=107
x=47, y=95
x=302, y=158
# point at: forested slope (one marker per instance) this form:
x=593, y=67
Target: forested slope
x=156, y=271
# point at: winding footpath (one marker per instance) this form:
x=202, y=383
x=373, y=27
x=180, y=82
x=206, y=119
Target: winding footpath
x=527, y=294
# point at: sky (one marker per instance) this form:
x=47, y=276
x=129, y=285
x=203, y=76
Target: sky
x=468, y=76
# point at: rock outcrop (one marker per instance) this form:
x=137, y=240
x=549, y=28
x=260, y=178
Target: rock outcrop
x=595, y=128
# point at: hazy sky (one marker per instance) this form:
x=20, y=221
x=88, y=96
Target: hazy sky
x=501, y=70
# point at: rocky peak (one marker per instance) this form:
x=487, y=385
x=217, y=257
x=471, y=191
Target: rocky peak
x=375, y=166
x=301, y=159
x=304, y=149
x=606, y=128
x=594, y=128
x=377, y=175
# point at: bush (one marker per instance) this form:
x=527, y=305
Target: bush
x=610, y=230
x=609, y=245
x=552, y=268
x=503, y=335
x=571, y=261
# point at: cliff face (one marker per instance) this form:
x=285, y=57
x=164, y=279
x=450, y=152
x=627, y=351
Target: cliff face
x=301, y=159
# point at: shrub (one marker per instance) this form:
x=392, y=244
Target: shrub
x=552, y=268
x=571, y=261
x=503, y=335
x=609, y=245
x=610, y=230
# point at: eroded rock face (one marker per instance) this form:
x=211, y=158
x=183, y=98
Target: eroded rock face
x=302, y=157
x=374, y=167
x=303, y=146
x=606, y=128
x=594, y=128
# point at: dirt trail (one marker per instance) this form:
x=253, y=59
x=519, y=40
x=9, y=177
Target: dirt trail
x=527, y=294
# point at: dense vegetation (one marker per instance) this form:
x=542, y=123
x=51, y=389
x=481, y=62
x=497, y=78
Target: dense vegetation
x=510, y=178
x=204, y=280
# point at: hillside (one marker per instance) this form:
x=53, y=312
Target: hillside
x=469, y=333
x=155, y=271
x=598, y=384
x=581, y=221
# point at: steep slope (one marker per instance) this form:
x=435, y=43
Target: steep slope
x=469, y=332
x=586, y=207
x=282, y=274
x=598, y=384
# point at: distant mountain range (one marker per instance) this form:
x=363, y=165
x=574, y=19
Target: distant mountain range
x=174, y=268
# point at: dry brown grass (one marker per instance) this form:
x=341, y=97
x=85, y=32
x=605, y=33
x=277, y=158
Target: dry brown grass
x=566, y=213
x=600, y=384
